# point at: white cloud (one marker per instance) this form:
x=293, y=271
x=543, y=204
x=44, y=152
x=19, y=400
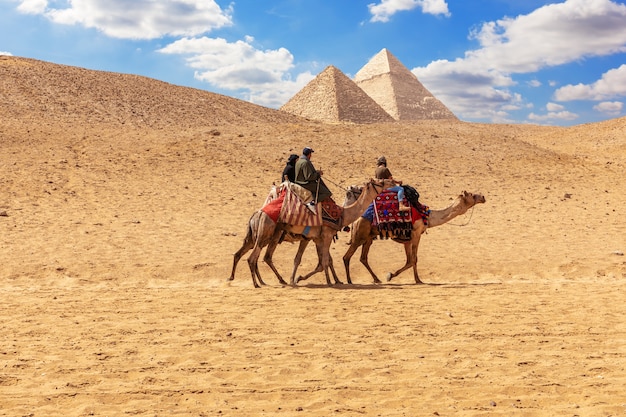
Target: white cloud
x=146, y=19
x=552, y=35
x=32, y=6
x=6, y=53
x=561, y=115
x=611, y=108
x=383, y=11
x=611, y=85
x=534, y=83
x=553, y=107
x=263, y=75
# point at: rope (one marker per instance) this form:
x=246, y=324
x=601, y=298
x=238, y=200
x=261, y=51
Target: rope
x=334, y=183
x=468, y=221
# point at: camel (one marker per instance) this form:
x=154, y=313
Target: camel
x=262, y=231
x=254, y=225
x=363, y=234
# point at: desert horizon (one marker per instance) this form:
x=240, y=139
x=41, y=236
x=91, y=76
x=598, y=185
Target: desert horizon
x=124, y=199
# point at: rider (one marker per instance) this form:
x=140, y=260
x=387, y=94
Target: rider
x=310, y=178
x=289, y=173
x=382, y=172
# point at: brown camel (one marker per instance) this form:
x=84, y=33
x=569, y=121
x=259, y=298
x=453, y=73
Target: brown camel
x=254, y=226
x=262, y=231
x=363, y=234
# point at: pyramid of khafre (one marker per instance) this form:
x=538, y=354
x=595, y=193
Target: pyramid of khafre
x=398, y=90
x=333, y=97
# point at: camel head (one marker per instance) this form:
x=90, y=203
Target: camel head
x=375, y=186
x=352, y=194
x=365, y=194
x=470, y=200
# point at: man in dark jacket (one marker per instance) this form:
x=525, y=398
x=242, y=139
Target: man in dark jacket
x=310, y=178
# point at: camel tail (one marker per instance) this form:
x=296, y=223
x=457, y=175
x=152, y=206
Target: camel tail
x=250, y=235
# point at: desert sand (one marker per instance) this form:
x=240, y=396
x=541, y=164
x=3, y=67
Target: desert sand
x=123, y=199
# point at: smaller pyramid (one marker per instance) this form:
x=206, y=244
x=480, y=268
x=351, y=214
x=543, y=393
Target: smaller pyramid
x=333, y=97
x=397, y=90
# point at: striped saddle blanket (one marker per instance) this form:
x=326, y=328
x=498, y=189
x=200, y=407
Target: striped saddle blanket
x=286, y=204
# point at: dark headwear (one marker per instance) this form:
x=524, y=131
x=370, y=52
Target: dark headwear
x=292, y=158
x=382, y=160
x=307, y=151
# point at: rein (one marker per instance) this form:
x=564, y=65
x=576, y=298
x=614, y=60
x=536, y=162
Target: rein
x=334, y=183
x=468, y=221
x=382, y=188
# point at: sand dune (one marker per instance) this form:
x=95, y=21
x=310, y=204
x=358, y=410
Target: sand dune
x=122, y=200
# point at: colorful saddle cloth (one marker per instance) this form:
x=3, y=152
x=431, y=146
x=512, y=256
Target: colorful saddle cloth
x=285, y=204
x=385, y=214
x=331, y=214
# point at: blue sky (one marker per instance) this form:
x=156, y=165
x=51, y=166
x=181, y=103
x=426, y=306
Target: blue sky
x=493, y=61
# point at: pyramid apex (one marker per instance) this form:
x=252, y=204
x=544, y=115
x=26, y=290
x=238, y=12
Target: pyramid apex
x=383, y=62
x=397, y=90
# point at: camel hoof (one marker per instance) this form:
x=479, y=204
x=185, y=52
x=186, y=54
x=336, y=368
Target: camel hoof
x=389, y=276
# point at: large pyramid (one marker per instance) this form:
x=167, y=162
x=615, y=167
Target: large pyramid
x=398, y=91
x=333, y=97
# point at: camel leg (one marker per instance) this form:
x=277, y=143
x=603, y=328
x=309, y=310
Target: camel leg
x=417, y=278
x=415, y=274
x=323, y=252
x=258, y=274
x=364, y=260
x=297, y=260
x=269, y=253
x=324, y=263
x=247, y=245
x=318, y=268
x=332, y=270
x=253, y=261
x=409, y=263
x=254, y=267
x=346, y=259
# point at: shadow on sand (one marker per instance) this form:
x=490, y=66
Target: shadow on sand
x=392, y=286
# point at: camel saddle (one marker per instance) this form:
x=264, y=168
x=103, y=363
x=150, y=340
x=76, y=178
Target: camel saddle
x=385, y=214
x=286, y=203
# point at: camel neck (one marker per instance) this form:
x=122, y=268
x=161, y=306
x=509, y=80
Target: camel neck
x=439, y=217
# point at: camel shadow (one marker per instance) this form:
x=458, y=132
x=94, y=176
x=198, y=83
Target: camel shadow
x=394, y=286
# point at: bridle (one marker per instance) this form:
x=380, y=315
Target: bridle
x=382, y=187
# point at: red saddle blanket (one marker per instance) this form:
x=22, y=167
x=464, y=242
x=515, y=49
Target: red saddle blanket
x=387, y=209
x=283, y=205
x=331, y=213
x=393, y=222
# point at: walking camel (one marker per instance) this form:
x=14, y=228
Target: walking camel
x=363, y=234
x=262, y=231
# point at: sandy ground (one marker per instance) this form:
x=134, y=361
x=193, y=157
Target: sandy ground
x=116, y=241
